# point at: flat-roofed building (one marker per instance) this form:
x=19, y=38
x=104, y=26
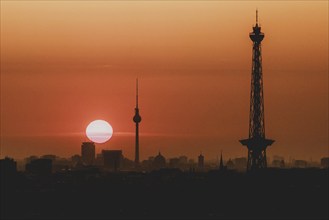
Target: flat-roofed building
x=112, y=159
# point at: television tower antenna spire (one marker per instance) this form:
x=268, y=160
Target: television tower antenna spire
x=136, y=92
x=256, y=16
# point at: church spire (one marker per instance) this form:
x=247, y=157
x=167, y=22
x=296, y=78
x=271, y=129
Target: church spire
x=221, y=164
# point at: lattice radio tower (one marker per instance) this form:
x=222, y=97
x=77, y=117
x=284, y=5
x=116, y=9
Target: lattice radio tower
x=256, y=143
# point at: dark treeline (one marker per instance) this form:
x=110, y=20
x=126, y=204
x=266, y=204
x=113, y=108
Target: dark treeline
x=168, y=193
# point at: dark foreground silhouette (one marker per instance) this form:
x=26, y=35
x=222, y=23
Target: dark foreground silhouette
x=164, y=194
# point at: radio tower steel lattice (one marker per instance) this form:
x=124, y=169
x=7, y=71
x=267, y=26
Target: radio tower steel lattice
x=256, y=143
x=137, y=119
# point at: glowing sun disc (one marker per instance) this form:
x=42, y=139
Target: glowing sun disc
x=99, y=131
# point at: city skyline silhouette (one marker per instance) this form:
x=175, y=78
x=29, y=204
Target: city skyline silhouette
x=140, y=110
x=194, y=73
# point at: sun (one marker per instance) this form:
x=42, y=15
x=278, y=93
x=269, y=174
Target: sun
x=99, y=131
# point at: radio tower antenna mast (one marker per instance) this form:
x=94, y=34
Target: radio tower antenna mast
x=256, y=143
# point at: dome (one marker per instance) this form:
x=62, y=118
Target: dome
x=159, y=161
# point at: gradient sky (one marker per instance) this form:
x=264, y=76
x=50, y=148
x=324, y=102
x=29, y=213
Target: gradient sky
x=65, y=64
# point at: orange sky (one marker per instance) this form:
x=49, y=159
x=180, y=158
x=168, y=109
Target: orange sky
x=64, y=64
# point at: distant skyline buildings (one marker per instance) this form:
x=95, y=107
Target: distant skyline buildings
x=115, y=160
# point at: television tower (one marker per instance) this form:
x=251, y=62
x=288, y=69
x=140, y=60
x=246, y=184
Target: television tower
x=256, y=143
x=137, y=119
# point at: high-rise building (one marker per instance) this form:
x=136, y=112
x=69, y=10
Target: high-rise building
x=137, y=119
x=201, y=161
x=257, y=142
x=88, y=153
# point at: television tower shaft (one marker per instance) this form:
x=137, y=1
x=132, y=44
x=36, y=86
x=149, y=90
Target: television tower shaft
x=137, y=119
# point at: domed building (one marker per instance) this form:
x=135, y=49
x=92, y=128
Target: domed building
x=159, y=162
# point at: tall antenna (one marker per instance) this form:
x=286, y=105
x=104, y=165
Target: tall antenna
x=256, y=16
x=136, y=92
x=257, y=142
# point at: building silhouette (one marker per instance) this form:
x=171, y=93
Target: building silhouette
x=30, y=158
x=49, y=156
x=39, y=166
x=230, y=164
x=325, y=162
x=112, y=159
x=183, y=160
x=240, y=163
x=159, y=162
x=201, y=161
x=257, y=142
x=278, y=163
x=75, y=159
x=88, y=153
x=174, y=162
x=300, y=164
x=180, y=162
x=8, y=167
x=99, y=160
x=137, y=119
